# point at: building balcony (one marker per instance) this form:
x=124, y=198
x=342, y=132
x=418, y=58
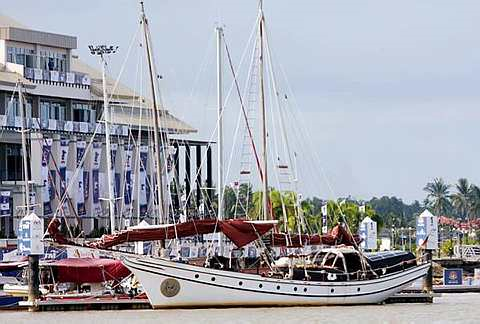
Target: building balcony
x=61, y=126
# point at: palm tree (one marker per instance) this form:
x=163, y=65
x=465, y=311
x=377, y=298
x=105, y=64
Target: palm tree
x=461, y=199
x=438, y=195
x=474, y=206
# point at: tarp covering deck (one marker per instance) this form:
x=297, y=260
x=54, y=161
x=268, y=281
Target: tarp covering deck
x=88, y=270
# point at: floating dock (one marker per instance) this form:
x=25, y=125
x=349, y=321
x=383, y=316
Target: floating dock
x=97, y=303
x=112, y=303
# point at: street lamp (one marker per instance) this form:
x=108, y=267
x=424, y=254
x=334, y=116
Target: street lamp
x=102, y=50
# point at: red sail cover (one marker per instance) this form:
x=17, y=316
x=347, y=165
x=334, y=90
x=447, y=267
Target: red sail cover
x=240, y=232
x=83, y=270
x=337, y=236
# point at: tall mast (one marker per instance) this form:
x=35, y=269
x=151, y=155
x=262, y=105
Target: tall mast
x=24, y=148
x=264, y=118
x=101, y=51
x=157, y=137
x=219, y=32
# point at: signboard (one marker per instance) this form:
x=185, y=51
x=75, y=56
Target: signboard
x=30, y=234
x=427, y=229
x=5, y=203
x=452, y=276
x=368, y=233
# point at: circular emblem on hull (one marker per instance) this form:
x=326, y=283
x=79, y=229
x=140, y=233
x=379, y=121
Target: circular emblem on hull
x=170, y=287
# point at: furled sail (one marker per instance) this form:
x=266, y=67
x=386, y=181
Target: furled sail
x=240, y=232
x=337, y=236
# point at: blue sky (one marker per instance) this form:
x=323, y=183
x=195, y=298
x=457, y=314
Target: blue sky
x=388, y=89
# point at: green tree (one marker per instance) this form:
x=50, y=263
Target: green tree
x=438, y=195
x=461, y=198
x=474, y=206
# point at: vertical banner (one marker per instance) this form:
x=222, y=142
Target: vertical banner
x=127, y=193
x=80, y=195
x=53, y=181
x=324, y=219
x=148, y=188
x=32, y=200
x=116, y=188
x=143, y=200
x=46, y=148
x=62, y=165
x=5, y=203
x=113, y=151
x=97, y=153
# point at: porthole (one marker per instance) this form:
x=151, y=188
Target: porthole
x=260, y=286
x=304, y=289
x=213, y=278
x=358, y=289
x=197, y=276
x=332, y=290
x=240, y=283
x=278, y=287
x=295, y=289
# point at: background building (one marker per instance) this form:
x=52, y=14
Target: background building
x=64, y=104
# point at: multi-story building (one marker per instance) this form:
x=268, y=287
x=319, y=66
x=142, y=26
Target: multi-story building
x=64, y=105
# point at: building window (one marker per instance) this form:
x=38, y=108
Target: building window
x=11, y=162
x=52, y=110
x=13, y=107
x=83, y=112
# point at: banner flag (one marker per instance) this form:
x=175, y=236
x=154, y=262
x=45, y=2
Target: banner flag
x=46, y=148
x=53, y=181
x=5, y=203
x=62, y=165
x=113, y=150
x=80, y=194
x=96, y=156
x=143, y=200
x=127, y=194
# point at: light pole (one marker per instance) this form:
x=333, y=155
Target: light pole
x=409, y=239
x=393, y=237
x=102, y=51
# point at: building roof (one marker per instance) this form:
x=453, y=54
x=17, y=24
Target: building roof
x=128, y=107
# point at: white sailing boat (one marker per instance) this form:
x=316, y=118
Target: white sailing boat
x=341, y=275
x=336, y=275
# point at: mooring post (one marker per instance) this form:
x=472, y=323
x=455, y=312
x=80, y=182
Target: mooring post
x=33, y=282
x=428, y=279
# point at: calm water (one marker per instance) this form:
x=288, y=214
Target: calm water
x=450, y=308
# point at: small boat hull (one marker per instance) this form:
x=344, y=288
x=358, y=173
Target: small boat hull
x=170, y=284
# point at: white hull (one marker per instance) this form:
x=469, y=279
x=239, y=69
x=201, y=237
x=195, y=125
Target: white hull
x=192, y=286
